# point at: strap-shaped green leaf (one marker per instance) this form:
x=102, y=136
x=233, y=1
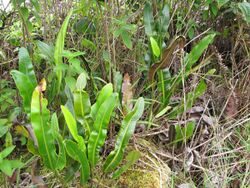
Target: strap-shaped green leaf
x=59, y=48
x=45, y=51
x=198, y=50
x=77, y=154
x=25, y=88
x=82, y=105
x=82, y=108
x=99, y=134
x=126, y=131
x=25, y=78
x=155, y=47
x=184, y=133
x=245, y=10
x=61, y=160
x=54, y=124
x=164, y=20
x=6, y=152
x=40, y=117
x=26, y=67
x=8, y=166
x=70, y=100
x=105, y=93
x=148, y=19
x=71, y=122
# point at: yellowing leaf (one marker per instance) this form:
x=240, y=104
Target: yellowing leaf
x=22, y=131
x=41, y=86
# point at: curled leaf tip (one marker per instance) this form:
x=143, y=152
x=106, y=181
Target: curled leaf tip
x=41, y=87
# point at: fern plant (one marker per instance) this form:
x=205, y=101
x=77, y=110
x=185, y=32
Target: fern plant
x=95, y=119
x=85, y=148
x=46, y=131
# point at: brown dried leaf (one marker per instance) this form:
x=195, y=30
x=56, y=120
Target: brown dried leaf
x=166, y=57
x=127, y=93
x=232, y=106
x=196, y=109
x=32, y=134
x=235, y=183
x=190, y=159
x=208, y=120
x=37, y=180
x=26, y=131
x=171, y=133
x=12, y=179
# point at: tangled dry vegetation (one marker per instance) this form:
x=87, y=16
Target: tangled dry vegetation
x=176, y=111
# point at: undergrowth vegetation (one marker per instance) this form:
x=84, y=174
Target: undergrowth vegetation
x=125, y=93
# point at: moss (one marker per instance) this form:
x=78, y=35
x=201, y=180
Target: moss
x=140, y=175
x=138, y=179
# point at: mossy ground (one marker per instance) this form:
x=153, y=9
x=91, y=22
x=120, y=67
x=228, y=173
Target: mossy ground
x=133, y=178
x=137, y=179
